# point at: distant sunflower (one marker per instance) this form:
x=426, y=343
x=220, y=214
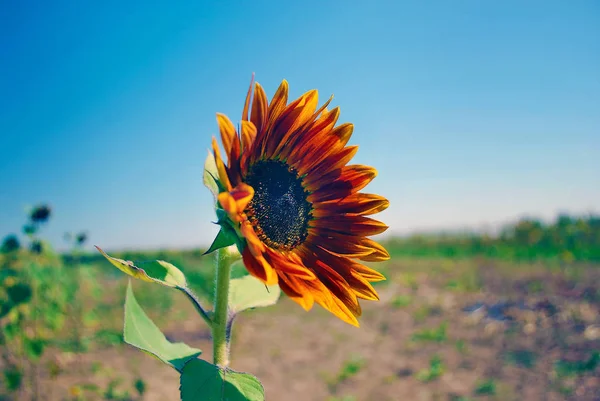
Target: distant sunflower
x=291, y=195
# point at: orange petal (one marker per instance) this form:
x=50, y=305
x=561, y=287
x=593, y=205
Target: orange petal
x=259, y=108
x=248, y=139
x=295, y=289
x=307, y=104
x=294, y=141
x=339, y=244
x=247, y=101
x=323, y=109
x=333, y=162
x=296, y=114
x=345, y=267
x=379, y=253
x=223, y=177
x=293, y=268
x=360, y=204
x=228, y=133
x=248, y=134
x=349, y=224
x=229, y=204
x=348, y=173
x=278, y=103
x=362, y=288
x=259, y=267
x=306, y=147
x=324, y=297
x=343, y=132
x=351, y=179
x=276, y=108
x=338, y=286
x=367, y=273
x=254, y=243
x=323, y=145
x=242, y=194
x=339, y=309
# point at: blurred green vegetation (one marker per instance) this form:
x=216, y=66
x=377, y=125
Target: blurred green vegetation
x=433, y=372
x=72, y=303
x=566, y=239
x=349, y=369
x=436, y=335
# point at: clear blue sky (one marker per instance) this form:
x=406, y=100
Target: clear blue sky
x=474, y=112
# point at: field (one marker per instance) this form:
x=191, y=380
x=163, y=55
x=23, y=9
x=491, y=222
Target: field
x=452, y=328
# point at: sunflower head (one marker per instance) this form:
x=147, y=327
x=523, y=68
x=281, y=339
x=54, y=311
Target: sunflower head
x=289, y=200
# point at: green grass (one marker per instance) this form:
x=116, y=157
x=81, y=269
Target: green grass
x=401, y=301
x=565, y=368
x=468, y=281
x=425, y=311
x=461, y=347
x=436, y=335
x=523, y=358
x=485, y=387
x=435, y=370
x=409, y=280
x=350, y=368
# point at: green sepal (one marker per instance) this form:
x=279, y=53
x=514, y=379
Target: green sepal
x=225, y=237
x=222, y=216
x=141, y=332
x=201, y=380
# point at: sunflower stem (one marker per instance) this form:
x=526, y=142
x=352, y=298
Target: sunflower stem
x=221, y=311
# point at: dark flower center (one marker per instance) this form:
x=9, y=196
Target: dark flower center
x=279, y=210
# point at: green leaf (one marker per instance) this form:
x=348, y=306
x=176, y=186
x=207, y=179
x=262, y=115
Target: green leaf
x=142, y=333
x=210, y=177
x=223, y=239
x=157, y=271
x=19, y=293
x=13, y=378
x=34, y=347
x=249, y=292
x=204, y=381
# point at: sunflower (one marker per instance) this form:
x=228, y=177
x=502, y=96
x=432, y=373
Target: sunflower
x=291, y=196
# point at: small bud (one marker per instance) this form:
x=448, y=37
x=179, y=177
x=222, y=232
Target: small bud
x=10, y=244
x=36, y=247
x=40, y=214
x=80, y=238
x=29, y=229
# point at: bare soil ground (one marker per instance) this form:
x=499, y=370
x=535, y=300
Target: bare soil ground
x=418, y=343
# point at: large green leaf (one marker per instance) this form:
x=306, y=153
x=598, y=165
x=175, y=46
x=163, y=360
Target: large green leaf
x=203, y=381
x=157, y=271
x=249, y=292
x=142, y=333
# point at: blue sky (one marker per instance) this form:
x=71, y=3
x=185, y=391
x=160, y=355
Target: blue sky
x=474, y=113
